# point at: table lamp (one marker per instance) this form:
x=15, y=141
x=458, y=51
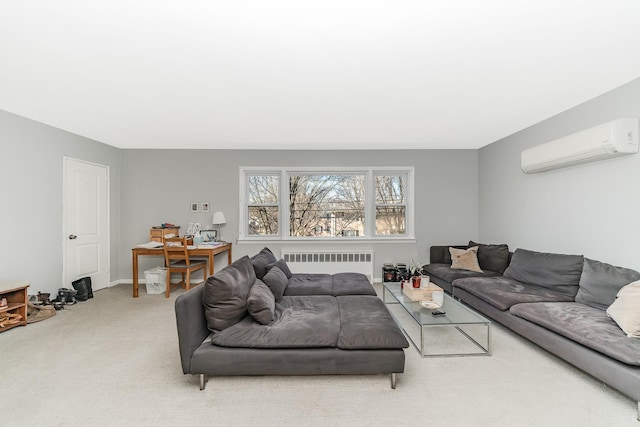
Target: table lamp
x=218, y=219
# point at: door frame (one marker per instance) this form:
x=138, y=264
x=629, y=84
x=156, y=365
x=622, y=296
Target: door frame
x=65, y=162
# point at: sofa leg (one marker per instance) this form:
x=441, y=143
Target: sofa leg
x=393, y=381
x=638, y=411
x=203, y=381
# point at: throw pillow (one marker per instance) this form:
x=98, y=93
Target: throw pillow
x=557, y=272
x=492, y=257
x=465, y=259
x=282, y=265
x=601, y=282
x=261, y=303
x=277, y=281
x=225, y=294
x=261, y=260
x=624, y=310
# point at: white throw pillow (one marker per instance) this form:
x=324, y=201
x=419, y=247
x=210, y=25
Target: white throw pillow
x=625, y=310
x=465, y=259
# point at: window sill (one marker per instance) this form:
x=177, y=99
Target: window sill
x=387, y=240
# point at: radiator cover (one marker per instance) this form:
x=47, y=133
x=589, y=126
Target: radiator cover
x=330, y=262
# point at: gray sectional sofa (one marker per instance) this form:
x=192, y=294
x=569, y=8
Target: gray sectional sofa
x=256, y=318
x=556, y=301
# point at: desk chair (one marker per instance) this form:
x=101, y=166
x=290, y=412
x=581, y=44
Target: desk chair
x=176, y=258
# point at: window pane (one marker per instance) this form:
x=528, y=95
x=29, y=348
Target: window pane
x=390, y=220
x=390, y=189
x=326, y=205
x=263, y=221
x=263, y=189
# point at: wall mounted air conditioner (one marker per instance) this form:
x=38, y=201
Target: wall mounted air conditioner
x=611, y=139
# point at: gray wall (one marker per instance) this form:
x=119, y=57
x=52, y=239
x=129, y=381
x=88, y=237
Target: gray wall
x=159, y=184
x=31, y=199
x=591, y=209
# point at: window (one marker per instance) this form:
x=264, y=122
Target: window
x=263, y=207
x=391, y=208
x=352, y=204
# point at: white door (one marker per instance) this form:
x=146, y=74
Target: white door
x=85, y=223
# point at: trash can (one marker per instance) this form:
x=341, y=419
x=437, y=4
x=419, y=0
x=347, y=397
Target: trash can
x=156, y=280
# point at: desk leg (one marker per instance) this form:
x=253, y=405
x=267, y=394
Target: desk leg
x=211, y=259
x=229, y=256
x=135, y=275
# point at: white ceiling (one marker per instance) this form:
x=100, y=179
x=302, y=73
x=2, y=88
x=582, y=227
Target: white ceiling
x=330, y=74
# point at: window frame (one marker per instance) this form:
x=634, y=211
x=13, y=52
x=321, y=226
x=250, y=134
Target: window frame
x=283, y=198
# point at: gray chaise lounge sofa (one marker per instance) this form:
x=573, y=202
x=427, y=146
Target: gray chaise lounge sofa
x=322, y=325
x=558, y=302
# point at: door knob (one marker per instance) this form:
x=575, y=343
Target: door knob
x=72, y=236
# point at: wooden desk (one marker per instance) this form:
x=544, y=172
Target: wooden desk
x=196, y=252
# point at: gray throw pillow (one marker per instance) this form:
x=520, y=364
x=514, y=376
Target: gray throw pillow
x=261, y=303
x=277, y=281
x=557, y=272
x=600, y=283
x=261, y=260
x=492, y=257
x=282, y=265
x=225, y=294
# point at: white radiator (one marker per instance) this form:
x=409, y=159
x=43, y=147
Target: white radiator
x=330, y=262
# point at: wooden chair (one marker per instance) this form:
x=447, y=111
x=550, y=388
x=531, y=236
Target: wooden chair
x=176, y=258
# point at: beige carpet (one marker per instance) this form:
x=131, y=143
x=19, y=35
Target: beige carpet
x=113, y=361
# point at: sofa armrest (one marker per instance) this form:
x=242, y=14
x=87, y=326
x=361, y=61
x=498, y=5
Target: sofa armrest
x=191, y=323
x=441, y=255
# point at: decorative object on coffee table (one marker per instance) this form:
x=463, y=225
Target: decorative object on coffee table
x=423, y=293
x=416, y=272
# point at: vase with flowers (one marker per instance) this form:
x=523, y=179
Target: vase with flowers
x=416, y=273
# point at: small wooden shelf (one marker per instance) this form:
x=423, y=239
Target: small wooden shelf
x=16, y=294
x=159, y=234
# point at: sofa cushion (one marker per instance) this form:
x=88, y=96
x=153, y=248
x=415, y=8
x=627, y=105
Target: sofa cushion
x=261, y=260
x=502, y=292
x=277, y=281
x=282, y=265
x=300, y=322
x=465, y=259
x=492, y=257
x=625, y=310
x=583, y=324
x=365, y=323
x=351, y=284
x=448, y=274
x=309, y=284
x=261, y=303
x=558, y=272
x=600, y=283
x=225, y=294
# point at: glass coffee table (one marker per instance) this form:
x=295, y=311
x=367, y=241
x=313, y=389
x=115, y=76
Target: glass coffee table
x=459, y=332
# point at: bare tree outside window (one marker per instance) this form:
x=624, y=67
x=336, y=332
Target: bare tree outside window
x=326, y=205
x=390, y=204
x=263, y=205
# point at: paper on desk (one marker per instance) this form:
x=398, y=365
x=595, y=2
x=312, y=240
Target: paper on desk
x=210, y=245
x=150, y=245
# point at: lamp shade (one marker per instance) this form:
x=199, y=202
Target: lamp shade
x=218, y=218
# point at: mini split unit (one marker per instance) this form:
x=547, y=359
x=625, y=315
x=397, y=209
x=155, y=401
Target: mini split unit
x=612, y=139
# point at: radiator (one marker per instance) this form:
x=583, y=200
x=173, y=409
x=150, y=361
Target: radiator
x=330, y=262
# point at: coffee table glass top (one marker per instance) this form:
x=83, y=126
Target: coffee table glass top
x=456, y=312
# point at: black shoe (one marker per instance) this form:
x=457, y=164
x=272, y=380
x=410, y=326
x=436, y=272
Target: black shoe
x=80, y=286
x=67, y=296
